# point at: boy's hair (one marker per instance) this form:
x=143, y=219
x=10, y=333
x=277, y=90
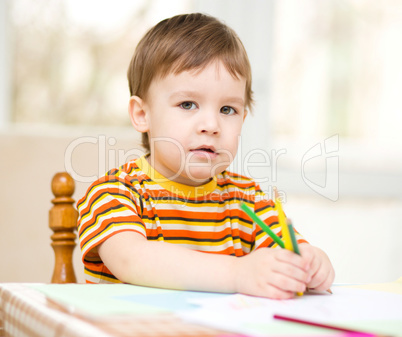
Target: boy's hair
x=182, y=43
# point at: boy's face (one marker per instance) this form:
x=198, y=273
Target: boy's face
x=194, y=120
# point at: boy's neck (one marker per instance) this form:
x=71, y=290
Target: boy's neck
x=183, y=190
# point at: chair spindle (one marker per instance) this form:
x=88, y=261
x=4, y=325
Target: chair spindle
x=63, y=222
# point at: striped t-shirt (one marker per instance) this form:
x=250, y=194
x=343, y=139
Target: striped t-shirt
x=205, y=218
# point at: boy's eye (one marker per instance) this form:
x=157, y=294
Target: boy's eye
x=188, y=105
x=227, y=110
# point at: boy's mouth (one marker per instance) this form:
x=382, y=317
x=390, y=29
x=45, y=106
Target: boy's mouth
x=204, y=149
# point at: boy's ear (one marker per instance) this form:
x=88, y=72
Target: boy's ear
x=138, y=116
x=245, y=114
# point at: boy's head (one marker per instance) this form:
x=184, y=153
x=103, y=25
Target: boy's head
x=182, y=43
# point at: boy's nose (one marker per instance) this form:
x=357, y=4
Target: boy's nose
x=209, y=124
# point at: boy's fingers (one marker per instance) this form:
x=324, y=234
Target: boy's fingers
x=290, y=269
x=291, y=284
x=277, y=293
x=295, y=273
x=282, y=287
x=323, y=279
x=290, y=257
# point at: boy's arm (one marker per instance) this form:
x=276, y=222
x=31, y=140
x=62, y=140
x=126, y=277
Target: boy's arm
x=274, y=273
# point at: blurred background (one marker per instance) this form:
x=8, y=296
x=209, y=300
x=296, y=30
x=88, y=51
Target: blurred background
x=325, y=129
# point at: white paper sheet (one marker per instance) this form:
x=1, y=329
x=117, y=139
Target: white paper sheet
x=253, y=315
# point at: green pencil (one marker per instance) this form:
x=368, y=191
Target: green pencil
x=293, y=237
x=261, y=223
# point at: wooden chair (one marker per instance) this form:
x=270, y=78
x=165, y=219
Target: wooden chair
x=63, y=222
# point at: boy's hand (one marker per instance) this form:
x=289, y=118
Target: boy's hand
x=273, y=273
x=321, y=271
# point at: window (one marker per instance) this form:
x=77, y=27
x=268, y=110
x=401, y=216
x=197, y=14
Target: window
x=320, y=70
x=70, y=57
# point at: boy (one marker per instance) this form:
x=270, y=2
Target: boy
x=172, y=218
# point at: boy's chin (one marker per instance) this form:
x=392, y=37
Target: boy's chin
x=201, y=175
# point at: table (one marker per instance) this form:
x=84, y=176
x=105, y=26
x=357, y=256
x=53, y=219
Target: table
x=27, y=312
x=74, y=310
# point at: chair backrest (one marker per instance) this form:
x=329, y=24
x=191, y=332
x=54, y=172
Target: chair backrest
x=63, y=222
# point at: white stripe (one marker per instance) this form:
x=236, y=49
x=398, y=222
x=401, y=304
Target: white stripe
x=99, y=223
x=201, y=207
x=105, y=199
x=267, y=214
x=208, y=247
x=103, y=189
x=194, y=227
x=94, y=279
x=95, y=241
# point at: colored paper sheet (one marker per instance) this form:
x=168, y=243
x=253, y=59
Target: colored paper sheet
x=120, y=299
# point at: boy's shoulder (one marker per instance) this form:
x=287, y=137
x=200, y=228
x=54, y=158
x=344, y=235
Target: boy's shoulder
x=127, y=172
x=126, y=176
x=130, y=168
x=239, y=180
